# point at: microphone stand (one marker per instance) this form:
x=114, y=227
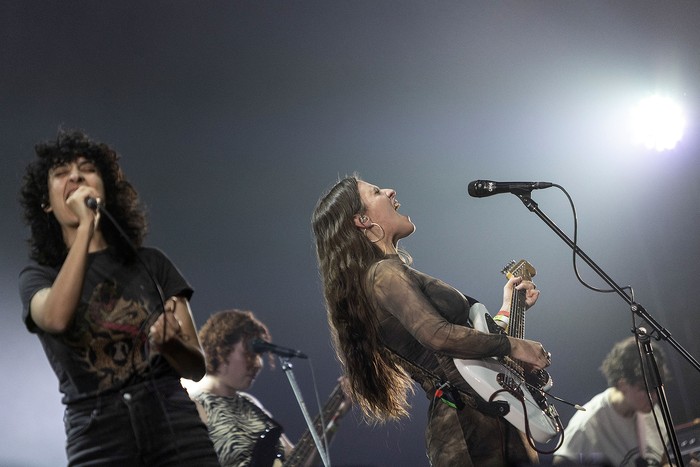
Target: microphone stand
x=287, y=368
x=524, y=195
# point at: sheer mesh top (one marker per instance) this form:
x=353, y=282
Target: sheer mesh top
x=426, y=321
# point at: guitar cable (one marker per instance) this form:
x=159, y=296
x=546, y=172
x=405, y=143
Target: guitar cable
x=527, y=422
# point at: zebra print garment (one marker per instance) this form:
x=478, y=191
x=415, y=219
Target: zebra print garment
x=240, y=429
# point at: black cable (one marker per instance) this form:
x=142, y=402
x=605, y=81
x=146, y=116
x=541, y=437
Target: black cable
x=141, y=332
x=575, y=249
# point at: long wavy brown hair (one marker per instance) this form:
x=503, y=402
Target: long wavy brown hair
x=46, y=243
x=377, y=381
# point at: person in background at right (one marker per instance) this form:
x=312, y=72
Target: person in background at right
x=618, y=427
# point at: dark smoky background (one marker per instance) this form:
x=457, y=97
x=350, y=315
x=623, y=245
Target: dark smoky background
x=233, y=118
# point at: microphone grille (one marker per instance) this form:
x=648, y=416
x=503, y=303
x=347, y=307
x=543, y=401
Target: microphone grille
x=476, y=188
x=91, y=203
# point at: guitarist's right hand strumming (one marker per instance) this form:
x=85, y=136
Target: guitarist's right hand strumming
x=529, y=352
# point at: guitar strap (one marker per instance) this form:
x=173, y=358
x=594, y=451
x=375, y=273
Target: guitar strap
x=451, y=395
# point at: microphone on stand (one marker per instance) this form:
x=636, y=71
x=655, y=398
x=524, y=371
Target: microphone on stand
x=261, y=346
x=483, y=188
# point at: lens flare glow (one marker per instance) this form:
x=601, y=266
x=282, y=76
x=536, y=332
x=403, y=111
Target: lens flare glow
x=658, y=123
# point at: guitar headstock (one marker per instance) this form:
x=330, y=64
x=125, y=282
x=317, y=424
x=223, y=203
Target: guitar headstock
x=519, y=269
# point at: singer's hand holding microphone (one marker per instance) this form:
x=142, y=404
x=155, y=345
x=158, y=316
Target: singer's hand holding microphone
x=94, y=204
x=84, y=203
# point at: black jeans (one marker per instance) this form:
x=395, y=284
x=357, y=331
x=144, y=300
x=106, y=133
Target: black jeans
x=147, y=424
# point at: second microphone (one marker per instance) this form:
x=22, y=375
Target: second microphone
x=261, y=346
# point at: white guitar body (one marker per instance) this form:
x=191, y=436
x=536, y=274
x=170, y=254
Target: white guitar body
x=488, y=376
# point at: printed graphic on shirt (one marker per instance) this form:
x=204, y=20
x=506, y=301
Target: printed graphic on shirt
x=109, y=340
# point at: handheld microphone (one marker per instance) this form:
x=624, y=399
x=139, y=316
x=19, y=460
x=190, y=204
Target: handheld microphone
x=92, y=203
x=261, y=346
x=482, y=188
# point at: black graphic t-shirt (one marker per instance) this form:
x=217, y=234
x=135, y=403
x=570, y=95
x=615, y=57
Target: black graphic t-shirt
x=104, y=348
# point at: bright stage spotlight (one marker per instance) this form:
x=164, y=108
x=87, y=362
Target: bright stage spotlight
x=657, y=123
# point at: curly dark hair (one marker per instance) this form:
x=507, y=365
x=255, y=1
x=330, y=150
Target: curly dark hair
x=46, y=243
x=623, y=362
x=377, y=380
x=224, y=329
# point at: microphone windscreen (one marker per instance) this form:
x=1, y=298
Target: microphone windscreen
x=91, y=202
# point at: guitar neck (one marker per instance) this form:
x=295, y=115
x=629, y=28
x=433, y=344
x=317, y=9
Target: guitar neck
x=516, y=326
x=305, y=448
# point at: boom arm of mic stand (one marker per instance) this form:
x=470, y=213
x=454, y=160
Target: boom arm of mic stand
x=635, y=307
x=287, y=368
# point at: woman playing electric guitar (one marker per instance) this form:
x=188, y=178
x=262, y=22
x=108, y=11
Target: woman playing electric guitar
x=393, y=325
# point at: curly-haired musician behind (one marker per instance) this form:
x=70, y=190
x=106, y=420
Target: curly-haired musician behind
x=95, y=300
x=243, y=431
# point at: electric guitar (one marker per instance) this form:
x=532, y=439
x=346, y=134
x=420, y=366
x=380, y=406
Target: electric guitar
x=506, y=379
x=264, y=454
